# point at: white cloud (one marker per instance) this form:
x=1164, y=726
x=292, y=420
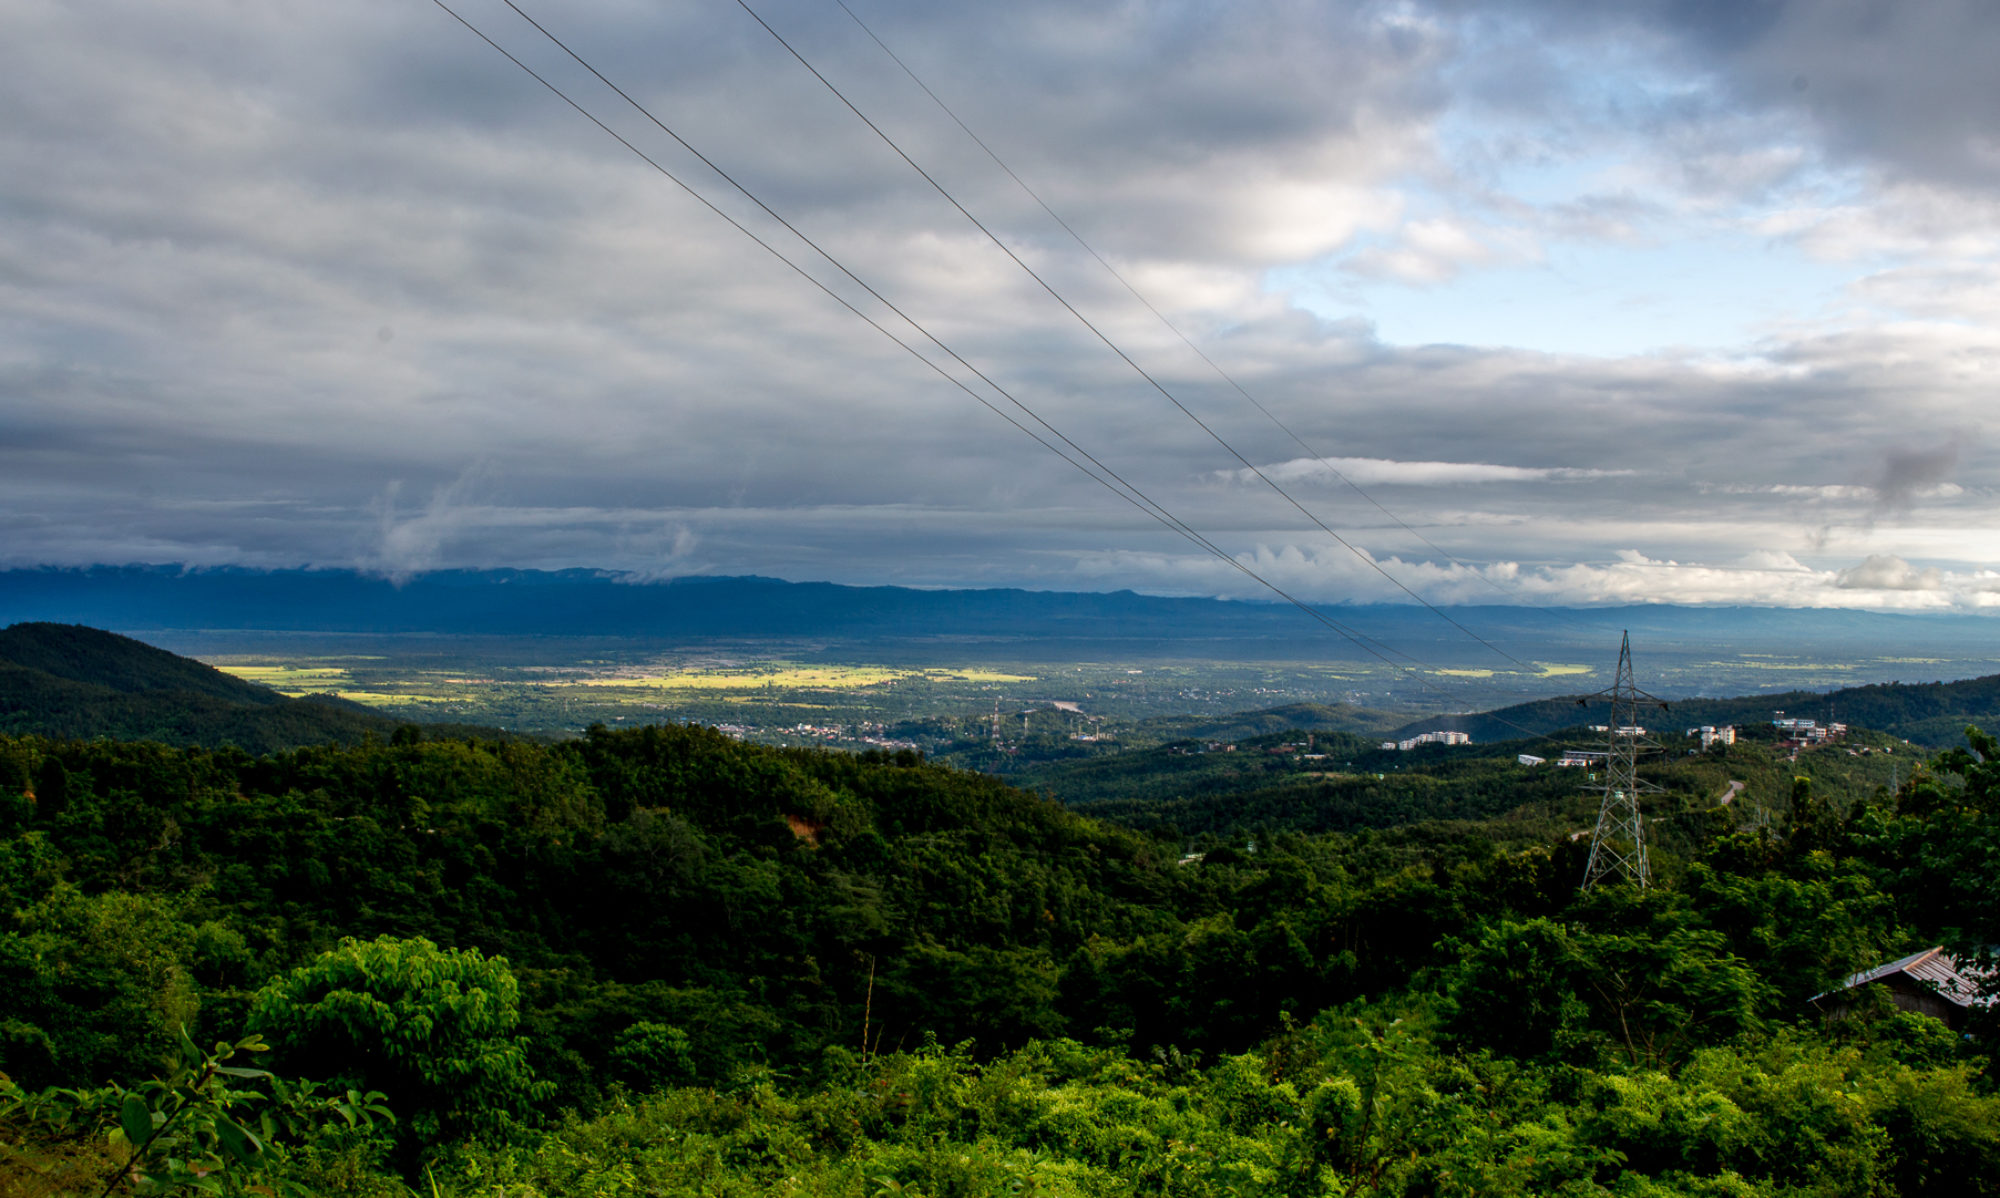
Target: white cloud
x=1887, y=572
x=1769, y=559
x=1881, y=582
x=1382, y=471
x=1438, y=249
x=409, y=545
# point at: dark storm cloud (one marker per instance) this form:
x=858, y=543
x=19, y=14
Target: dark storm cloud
x=1904, y=86
x=336, y=285
x=1908, y=472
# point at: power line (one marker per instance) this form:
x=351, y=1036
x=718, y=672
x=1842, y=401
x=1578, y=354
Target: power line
x=1124, y=489
x=1171, y=327
x=1110, y=479
x=1364, y=556
x=1145, y=501
x=1184, y=338
x=1163, y=319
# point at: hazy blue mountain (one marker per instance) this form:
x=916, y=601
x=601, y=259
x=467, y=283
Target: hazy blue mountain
x=591, y=603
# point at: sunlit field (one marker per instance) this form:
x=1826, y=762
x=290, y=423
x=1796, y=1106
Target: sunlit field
x=794, y=677
x=960, y=703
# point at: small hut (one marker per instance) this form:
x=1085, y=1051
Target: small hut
x=1931, y=982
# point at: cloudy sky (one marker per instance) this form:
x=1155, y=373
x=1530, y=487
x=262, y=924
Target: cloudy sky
x=1547, y=301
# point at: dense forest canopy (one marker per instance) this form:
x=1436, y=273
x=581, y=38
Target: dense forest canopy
x=1211, y=791
x=801, y=936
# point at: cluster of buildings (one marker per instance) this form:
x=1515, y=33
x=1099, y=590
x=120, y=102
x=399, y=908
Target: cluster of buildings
x=1307, y=746
x=1428, y=738
x=1212, y=746
x=1303, y=749
x=1570, y=759
x=868, y=734
x=1800, y=733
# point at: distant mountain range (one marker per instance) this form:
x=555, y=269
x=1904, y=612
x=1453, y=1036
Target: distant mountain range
x=592, y=603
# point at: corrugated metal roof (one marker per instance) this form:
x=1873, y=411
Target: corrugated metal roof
x=1954, y=980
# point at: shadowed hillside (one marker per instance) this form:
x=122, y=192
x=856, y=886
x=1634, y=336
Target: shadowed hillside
x=96, y=658
x=68, y=681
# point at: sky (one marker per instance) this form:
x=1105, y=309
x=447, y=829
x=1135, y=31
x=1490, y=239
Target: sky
x=1540, y=301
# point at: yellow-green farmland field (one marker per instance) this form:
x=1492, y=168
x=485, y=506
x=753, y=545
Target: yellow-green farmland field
x=790, y=677
x=558, y=698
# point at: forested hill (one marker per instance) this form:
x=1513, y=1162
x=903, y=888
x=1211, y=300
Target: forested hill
x=1306, y=717
x=66, y=680
x=94, y=657
x=1927, y=713
x=1227, y=793
x=736, y=970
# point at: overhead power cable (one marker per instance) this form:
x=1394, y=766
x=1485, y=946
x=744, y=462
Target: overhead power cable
x=1109, y=479
x=1318, y=457
x=1365, y=557
x=1144, y=501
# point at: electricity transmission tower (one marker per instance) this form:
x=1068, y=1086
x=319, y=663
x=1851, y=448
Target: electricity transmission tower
x=1618, y=845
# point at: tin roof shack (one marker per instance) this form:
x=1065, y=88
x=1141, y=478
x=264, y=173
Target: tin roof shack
x=1926, y=983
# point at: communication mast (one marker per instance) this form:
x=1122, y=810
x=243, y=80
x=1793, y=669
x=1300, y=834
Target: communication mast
x=1618, y=845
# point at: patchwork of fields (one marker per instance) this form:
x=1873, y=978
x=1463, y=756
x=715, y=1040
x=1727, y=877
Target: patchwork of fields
x=975, y=705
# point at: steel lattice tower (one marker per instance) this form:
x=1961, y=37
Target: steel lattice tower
x=1618, y=844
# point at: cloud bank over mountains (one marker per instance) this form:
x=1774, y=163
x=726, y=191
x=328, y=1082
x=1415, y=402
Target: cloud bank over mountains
x=1681, y=302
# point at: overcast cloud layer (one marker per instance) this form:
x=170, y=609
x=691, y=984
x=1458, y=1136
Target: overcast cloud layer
x=1694, y=303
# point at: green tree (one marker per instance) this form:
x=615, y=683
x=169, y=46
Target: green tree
x=52, y=787
x=653, y=1056
x=1516, y=991
x=431, y=1027
x=93, y=984
x=1660, y=994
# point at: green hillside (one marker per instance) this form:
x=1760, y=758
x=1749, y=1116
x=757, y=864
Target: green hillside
x=95, y=658
x=1292, y=717
x=1928, y=713
x=68, y=681
x=1333, y=782
x=663, y=961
